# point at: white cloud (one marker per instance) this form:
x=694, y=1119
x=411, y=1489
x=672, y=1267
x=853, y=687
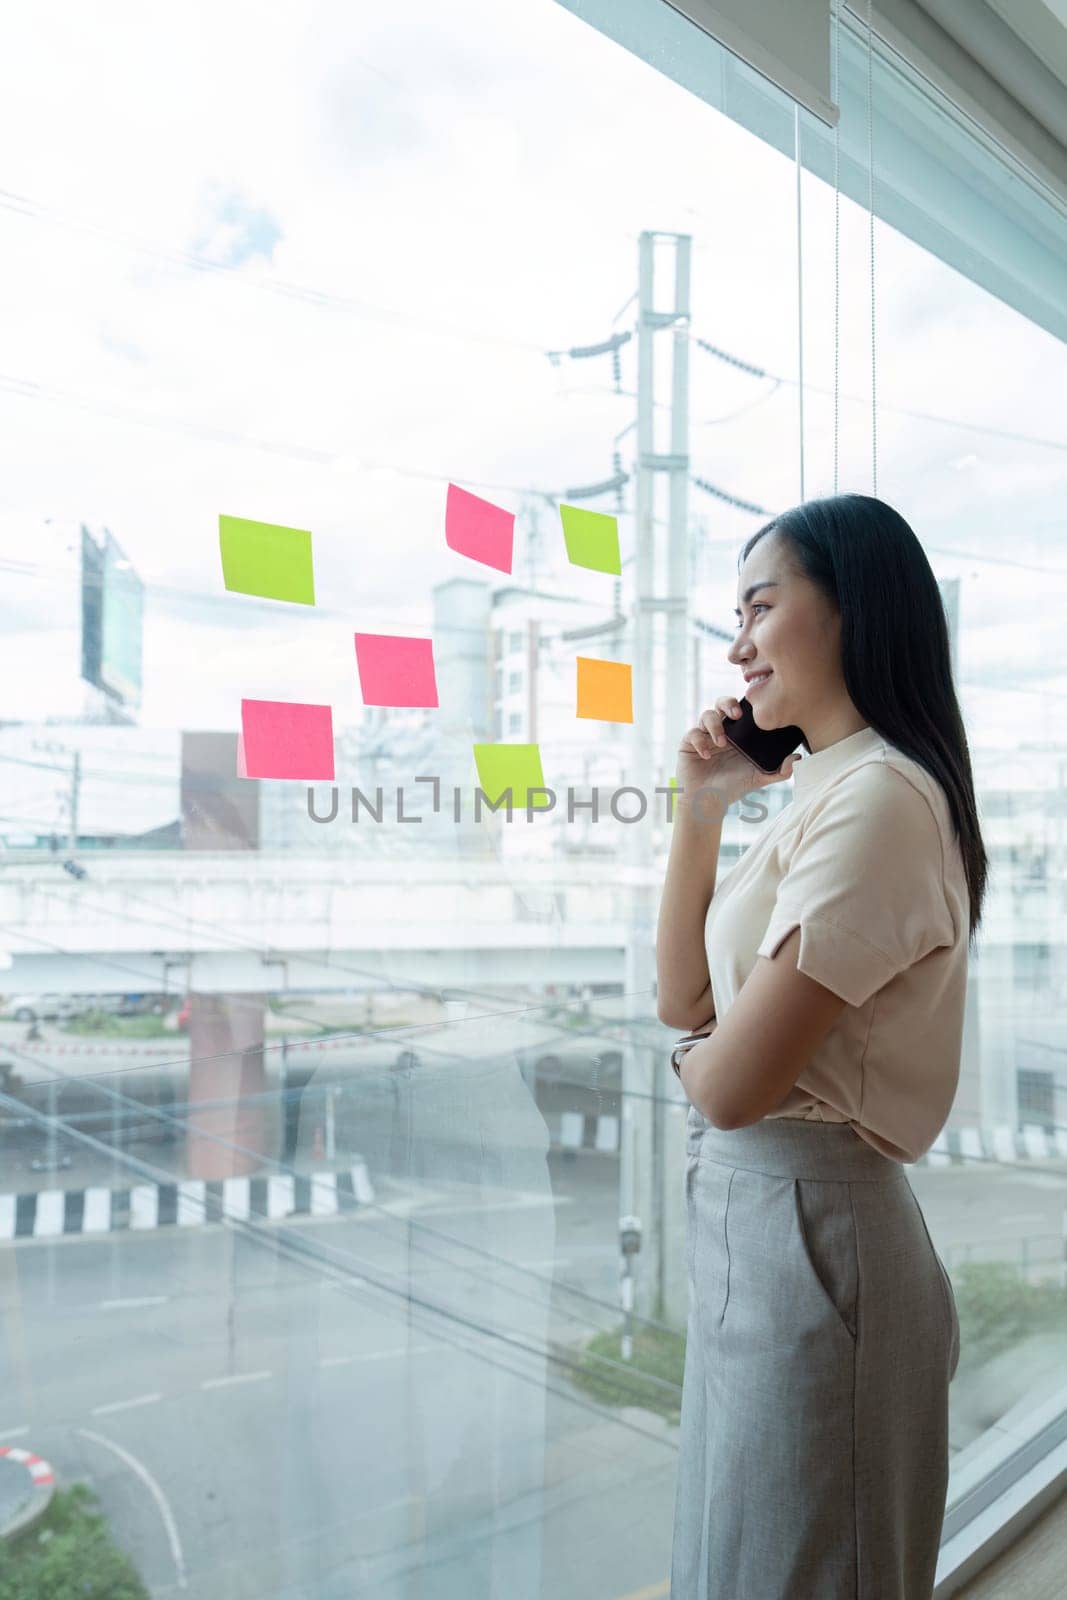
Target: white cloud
x=485, y=183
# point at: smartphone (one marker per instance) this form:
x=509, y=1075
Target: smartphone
x=766, y=748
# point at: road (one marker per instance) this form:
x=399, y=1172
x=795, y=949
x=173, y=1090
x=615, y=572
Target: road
x=267, y=1426
x=320, y=1408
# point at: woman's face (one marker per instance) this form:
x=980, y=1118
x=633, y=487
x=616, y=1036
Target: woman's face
x=794, y=631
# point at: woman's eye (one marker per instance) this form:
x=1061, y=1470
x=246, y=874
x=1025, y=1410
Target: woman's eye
x=759, y=606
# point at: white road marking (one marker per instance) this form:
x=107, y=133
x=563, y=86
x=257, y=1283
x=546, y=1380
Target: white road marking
x=377, y=1355
x=236, y=1377
x=519, y=1203
x=125, y=1405
x=15, y=1433
x=130, y=1305
x=157, y=1495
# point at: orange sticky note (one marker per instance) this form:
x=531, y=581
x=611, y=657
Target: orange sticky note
x=284, y=739
x=476, y=528
x=605, y=690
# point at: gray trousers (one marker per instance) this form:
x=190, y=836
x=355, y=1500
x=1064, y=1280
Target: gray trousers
x=822, y=1338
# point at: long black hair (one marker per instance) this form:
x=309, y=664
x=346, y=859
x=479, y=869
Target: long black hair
x=895, y=651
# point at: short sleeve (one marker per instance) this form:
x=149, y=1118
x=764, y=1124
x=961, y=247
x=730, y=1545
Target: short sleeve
x=864, y=884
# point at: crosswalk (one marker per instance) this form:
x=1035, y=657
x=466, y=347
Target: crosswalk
x=191, y=1203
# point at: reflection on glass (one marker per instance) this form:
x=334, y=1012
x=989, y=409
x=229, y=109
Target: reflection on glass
x=318, y=1134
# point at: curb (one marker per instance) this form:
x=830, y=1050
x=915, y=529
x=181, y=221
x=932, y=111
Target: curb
x=192, y=1202
x=42, y=1488
x=998, y=1144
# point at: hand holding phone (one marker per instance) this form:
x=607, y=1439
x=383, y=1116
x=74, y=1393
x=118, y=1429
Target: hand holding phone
x=720, y=752
x=766, y=748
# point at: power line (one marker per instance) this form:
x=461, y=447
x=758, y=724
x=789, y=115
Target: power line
x=864, y=400
x=27, y=389
x=192, y=261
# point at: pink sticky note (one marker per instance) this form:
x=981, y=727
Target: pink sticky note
x=242, y=765
x=283, y=739
x=395, y=670
x=476, y=528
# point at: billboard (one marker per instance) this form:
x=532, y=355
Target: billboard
x=112, y=619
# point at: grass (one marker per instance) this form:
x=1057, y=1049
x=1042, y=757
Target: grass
x=652, y=1378
x=68, y=1554
x=104, y=1024
x=997, y=1311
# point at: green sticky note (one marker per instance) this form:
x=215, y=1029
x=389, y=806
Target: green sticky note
x=592, y=539
x=514, y=766
x=266, y=559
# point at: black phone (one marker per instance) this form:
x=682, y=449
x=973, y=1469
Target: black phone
x=766, y=748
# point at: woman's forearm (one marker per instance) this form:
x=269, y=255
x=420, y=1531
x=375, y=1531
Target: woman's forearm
x=683, y=982
x=692, y=1073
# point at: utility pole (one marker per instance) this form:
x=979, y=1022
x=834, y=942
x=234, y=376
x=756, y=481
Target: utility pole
x=649, y=1160
x=55, y=748
x=75, y=791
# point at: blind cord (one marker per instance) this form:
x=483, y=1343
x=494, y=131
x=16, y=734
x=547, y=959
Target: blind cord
x=837, y=227
x=870, y=207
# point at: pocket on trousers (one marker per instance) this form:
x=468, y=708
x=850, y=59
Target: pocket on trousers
x=690, y=1212
x=947, y=1292
x=827, y=1239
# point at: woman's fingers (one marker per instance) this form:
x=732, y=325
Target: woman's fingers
x=716, y=715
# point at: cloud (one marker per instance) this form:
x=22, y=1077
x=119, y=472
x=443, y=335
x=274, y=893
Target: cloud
x=397, y=222
x=233, y=231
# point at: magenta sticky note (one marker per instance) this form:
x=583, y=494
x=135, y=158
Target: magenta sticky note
x=395, y=670
x=479, y=529
x=284, y=739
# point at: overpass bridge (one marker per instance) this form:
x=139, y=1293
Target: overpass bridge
x=253, y=922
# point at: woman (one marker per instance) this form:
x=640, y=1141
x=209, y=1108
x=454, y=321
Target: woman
x=826, y=975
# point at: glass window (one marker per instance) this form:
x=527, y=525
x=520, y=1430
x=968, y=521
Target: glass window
x=323, y=1092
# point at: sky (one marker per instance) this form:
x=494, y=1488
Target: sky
x=305, y=263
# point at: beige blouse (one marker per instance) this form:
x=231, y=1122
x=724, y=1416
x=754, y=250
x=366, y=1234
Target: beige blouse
x=864, y=861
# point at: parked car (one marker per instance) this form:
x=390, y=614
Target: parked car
x=145, y=1005
x=42, y=1007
